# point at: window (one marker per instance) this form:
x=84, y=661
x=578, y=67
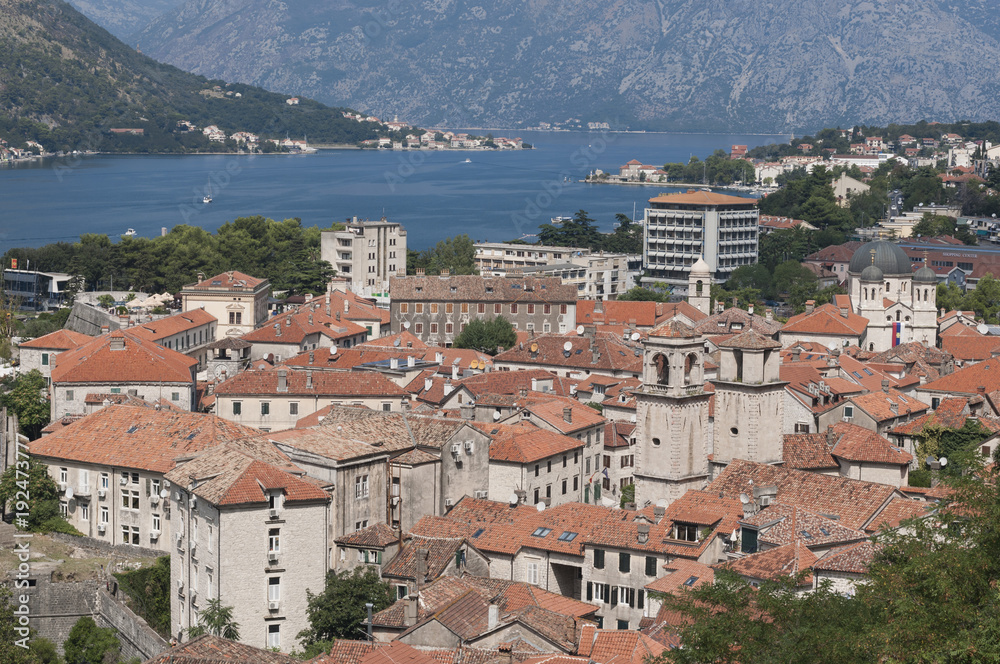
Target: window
x=237, y=408
x=434, y=308
x=801, y=427
x=235, y=317
x=418, y=328
x=547, y=308
x=156, y=522
x=536, y=470
x=650, y=565
x=105, y=480
x=564, y=460
x=155, y=491
x=265, y=407
x=496, y=310
x=404, y=308
x=274, y=636
x=175, y=396
x=211, y=536
x=293, y=408
x=85, y=512
x=449, y=328
x=935, y=402
x=601, y=592
x=434, y=328
x=562, y=308
x=548, y=466
x=848, y=411
x=274, y=589
x=568, y=536
x=513, y=308
x=449, y=308
x=361, y=486
x=64, y=475
x=537, y=500
x=69, y=393
x=104, y=515
x=418, y=307
x=465, y=307
x=626, y=597
x=598, y=558
x=686, y=532
x=125, y=534
x=576, y=483
x=274, y=540
x=622, y=624
x=624, y=563
x=45, y=359
x=402, y=591
x=358, y=525
x=532, y=574
x=481, y=307
x=565, y=484
x=209, y=589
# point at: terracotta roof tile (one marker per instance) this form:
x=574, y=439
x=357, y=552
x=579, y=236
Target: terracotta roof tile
x=123, y=357
x=750, y=340
x=210, y=649
x=855, y=443
x=967, y=380
x=808, y=451
x=787, y=560
x=699, y=197
x=324, y=383
x=897, y=511
x=733, y=321
x=137, y=437
x=680, y=573
x=226, y=281
x=475, y=288
x=616, y=312
x=601, y=353
x=162, y=328
x=781, y=524
x=828, y=320
x=58, y=340
x=951, y=413
x=440, y=552
x=853, y=558
x=524, y=442
x=970, y=348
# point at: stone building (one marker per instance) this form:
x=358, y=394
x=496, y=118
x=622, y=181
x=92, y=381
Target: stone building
x=122, y=362
x=366, y=253
x=189, y=332
x=542, y=466
x=238, y=301
x=253, y=534
x=437, y=308
x=41, y=353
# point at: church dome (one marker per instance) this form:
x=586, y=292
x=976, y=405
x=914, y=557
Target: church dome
x=925, y=275
x=700, y=267
x=871, y=273
x=889, y=258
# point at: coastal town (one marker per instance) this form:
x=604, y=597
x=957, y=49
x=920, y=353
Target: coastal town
x=553, y=495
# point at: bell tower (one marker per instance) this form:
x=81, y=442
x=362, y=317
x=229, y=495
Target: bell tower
x=700, y=286
x=749, y=400
x=671, y=416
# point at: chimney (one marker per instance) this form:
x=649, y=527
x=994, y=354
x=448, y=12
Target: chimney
x=568, y=414
x=659, y=513
x=643, y=533
x=894, y=407
x=312, y=357
x=769, y=314
x=494, y=617
x=504, y=654
x=831, y=436
x=328, y=298
x=282, y=380
x=454, y=372
x=201, y=277
x=810, y=306
x=534, y=384
x=394, y=363
x=523, y=392
x=347, y=307
x=428, y=384
x=422, y=555
x=310, y=319
x=420, y=272
x=468, y=411
x=411, y=361
x=277, y=329
x=288, y=322
x=750, y=310
x=105, y=329
x=439, y=357
x=885, y=385
x=309, y=379
x=599, y=307
x=448, y=387
x=117, y=343
x=796, y=352
x=410, y=610
x=338, y=317
x=445, y=272
x=844, y=312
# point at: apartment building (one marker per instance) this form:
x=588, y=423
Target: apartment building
x=680, y=228
x=436, y=309
x=189, y=332
x=543, y=466
x=366, y=253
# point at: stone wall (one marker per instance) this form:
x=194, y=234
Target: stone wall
x=138, y=639
x=89, y=320
x=104, y=547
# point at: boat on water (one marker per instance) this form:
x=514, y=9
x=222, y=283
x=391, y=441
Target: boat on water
x=468, y=161
x=129, y=233
x=561, y=220
x=207, y=198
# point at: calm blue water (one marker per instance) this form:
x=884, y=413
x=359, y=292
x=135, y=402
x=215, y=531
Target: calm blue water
x=495, y=196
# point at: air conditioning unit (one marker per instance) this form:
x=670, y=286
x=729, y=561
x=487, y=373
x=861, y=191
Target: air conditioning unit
x=194, y=594
x=101, y=493
x=469, y=446
x=180, y=584
x=62, y=486
x=154, y=534
x=448, y=502
x=456, y=448
x=846, y=419
x=765, y=501
x=273, y=513
x=481, y=495
x=193, y=503
x=272, y=556
x=273, y=606
x=154, y=499
x=123, y=481
x=101, y=527
x=177, y=496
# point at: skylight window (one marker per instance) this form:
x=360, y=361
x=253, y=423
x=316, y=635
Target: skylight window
x=805, y=534
x=478, y=533
x=133, y=428
x=568, y=536
x=824, y=530
x=541, y=532
x=691, y=581
x=869, y=372
x=858, y=375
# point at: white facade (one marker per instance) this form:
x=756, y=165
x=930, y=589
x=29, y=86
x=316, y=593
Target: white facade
x=366, y=254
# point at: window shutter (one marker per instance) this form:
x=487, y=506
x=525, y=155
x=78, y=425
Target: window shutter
x=607, y=593
x=590, y=591
x=631, y=598
x=147, y=486
x=640, y=598
x=614, y=595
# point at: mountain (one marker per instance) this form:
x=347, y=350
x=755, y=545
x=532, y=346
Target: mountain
x=123, y=18
x=752, y=65
x=66, y=82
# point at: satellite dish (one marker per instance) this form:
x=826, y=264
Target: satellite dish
x=406, y=325
x=943, y=461
x=568, y=346
x=745, y=499
x=513, y=500
x=635, y=336
x=474, y=364
x=69, y=492
x=164, y=493
x=534, y=348
x=496, y=416
x=540, y=507
x=929, y=460
x=579, y=329
x=736, y=533
x=983, y=328
x=333, y=350
x=395, y=342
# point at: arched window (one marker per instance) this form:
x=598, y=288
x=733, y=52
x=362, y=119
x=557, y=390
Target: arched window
x=907, y=319
x=871, y=346
x=887, y=287
x=662, y=364
x=697, y=287
x=689, y=363
x=927, y=295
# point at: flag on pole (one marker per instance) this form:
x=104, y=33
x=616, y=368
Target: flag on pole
x=13, y=263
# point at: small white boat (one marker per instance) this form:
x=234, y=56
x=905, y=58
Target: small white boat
x=208, y=192
x=129, y=233
x=468, y=161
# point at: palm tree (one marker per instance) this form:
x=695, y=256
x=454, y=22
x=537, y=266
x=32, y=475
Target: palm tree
x=216, y=619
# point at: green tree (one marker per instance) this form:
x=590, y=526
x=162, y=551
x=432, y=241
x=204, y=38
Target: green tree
x=337, y=611
x=950, y=297
x=456, y=254
x=25, y=399
x=985, y=298
x=628, y=495
x=487, y=335
x=44, y=650
x=754, y=276
x=216, y=619
x=43, y=506
x=90, y=644
x=148, y=592
x=642, y=294
x=106, y=301
x=15, y=646
x=580, y=231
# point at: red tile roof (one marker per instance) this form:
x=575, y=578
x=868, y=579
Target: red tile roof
x=897, y=511
x=969, y=348
x=378, y=536
x=58, y=340
x=137, y=437
x=598, y=354
x=808, y=451
x=853, y=558
x=951, y=413
x=615, y=312
x=735, y=320
x=967, y=380
x=137, y=360
x=780, y=524
x=680, y=571
x=210, y=649
x=324, y=383
x=879, y=405
x=167, y=327
x=855, y=443
x=227, y=280
x=788, y=560
x=698, y=197
x=827, y=320
x=525, y=443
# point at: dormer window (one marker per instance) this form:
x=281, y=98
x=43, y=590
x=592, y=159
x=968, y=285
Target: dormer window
x=685, y=532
